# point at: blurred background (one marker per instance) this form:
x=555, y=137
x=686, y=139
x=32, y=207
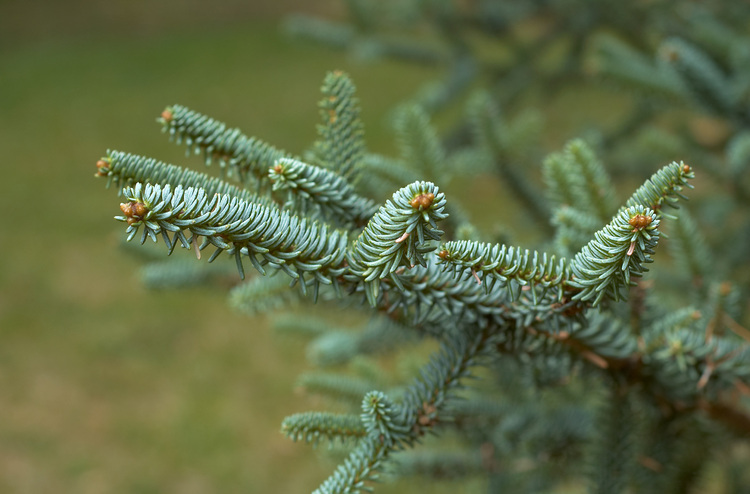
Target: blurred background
x=106, y=386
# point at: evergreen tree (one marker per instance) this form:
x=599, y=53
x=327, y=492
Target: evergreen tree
x=596, y=371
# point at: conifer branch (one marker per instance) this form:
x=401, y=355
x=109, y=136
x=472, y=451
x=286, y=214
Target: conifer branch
x=573, y=229
x=612, y=456
x=562, y=180
x=617, y=253
x=689, y=247
x=247, y=157
x=492, y=133
x=486, y=304
x=313, y=426
x=597, y=187
x=433, y=296
x=284, y=241
x=418, y=142
x=342, y=145
x=700, y=75
x=310, y=189
x=499, y=263
x=397, y=236
x=381, y=419
x=628, y=68
x=421, y=411
x=602, y=340
x=663, y=188
x=125, y=170
x=577, y=179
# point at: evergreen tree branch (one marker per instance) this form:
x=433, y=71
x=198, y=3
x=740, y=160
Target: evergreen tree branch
x=420, y=412
x=617, y=253
x=397, y=236
x=628, y=68
x=419, y=144
x=597, y=186
x=312, y=189
x=500, y=263
x=312, y=426
x=701, y=76
x=689, y=248
x=247, y=157
x=576, y=178
x=494, y=136
x=125, y=170
x=573, y=229
x=663, y=188
x=342, y=146
x=284, y=241
x=612, y=453
x=563, y=180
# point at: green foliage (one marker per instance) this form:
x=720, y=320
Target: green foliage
x=419, y=143
x=397, y=236
x=505, y=145
x=550, y=326
x=312, y=426
x=689, y=248
x=321, y=193
x=246, y=157
x=341, y=147
x=618, y=252
x=611, y=453
x=701, y=76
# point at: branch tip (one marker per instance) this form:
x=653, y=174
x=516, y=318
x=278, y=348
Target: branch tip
x=102, y=167
x=639, y=222
x=422, y=201
x=134, y=211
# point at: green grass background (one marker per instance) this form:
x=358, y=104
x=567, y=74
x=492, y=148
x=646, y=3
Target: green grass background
x=104, y=385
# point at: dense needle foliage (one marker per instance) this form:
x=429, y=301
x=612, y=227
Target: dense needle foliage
x=601, y=368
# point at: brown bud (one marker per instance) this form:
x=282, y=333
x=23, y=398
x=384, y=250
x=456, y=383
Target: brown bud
x=167, y=115
x=640, y=221
x=134, y=211
x=686, y=168
x=102, y=167
x=443, y=254
x=422, y=201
